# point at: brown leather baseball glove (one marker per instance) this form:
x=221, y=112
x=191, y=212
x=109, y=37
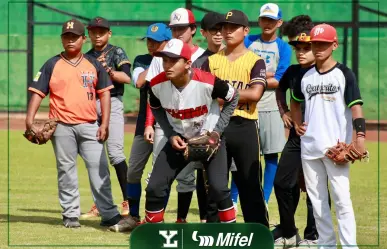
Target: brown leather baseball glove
x=343, y=153
x=202, y=147
x=102, y=59
x=41, y=131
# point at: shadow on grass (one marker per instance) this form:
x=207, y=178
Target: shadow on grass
x=52, y=221
x=51, y=211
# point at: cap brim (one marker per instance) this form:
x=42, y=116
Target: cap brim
x=97, y=26
x=167, y=54
x=237, y=23
x=322, y=40
x=158, y=39
x=294, y=43
x=271, y=17
x=181, y=25
x=73, y=32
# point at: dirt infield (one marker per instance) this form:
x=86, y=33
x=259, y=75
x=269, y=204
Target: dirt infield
x=18, y=124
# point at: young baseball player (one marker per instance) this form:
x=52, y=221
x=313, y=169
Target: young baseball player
x=245, y=71
x=286, y=185
x=180, y=99
x=118, y=66
x=329, y=90
x=156, y=37
x=211, y=31
x=74, y=80
x=183, y=27
x=276, y=54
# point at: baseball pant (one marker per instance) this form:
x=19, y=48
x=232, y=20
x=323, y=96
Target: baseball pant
x=115, y=142
x=170, y=163
x=186, y=178
x=316, y=172
x=69, y=141
x=287, y=190
x=242, y=145
x=139, y=156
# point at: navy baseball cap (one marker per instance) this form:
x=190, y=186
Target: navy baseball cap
x=158, y=32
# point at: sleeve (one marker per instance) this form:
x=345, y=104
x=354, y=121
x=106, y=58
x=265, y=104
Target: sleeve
x=149, y=118
x=206, y=66
x=258, y=73
x=284, y=60
x=135, y=74
x=226, y=113
x=41, y=82
x=155, y=69
x=120, y=58
x=280, y=92
x=126, y=69
x=154, y=102
x=351, y=92
x=223, y=90
x=104, y=82
x=297, y=94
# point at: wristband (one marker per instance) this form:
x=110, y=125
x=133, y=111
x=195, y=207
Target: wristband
x=359, y=125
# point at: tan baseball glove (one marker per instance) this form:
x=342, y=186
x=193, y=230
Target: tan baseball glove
x=343, y=153
x=41, y=131
x=202, y=147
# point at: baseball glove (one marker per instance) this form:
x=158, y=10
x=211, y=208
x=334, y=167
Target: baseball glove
x=102, y=59
x=41, y=131
x=203, y=147
x=343, y=153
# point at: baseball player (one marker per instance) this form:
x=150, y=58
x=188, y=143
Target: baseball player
x=74, y=80
x=180, y=99
x=156, y=37
x=118, y=66
x=276, y=54
x=329, y=90
x=183, y=27
x=211, y=31
x=245, y=71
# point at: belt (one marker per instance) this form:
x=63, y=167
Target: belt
x=116, y=94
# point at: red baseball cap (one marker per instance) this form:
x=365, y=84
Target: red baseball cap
x=181, y=17
x=324, y=33
x=175, y=48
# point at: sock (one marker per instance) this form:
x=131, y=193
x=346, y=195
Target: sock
x=154, y=216
x=183, y=204
x=121, y=171
x=134, y=196
x=226, y=211
x=271, y=163
x=234, y=191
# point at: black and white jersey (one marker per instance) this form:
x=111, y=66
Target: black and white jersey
x=328, y=98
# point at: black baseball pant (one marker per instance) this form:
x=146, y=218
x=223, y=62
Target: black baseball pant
x=287, y=190
x=168, y=165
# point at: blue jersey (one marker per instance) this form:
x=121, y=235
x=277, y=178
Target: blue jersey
x=276, y=55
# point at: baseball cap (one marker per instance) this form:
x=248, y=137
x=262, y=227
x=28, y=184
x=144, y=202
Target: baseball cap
x=323, y=32
x=73, y=26
x=235, y=17
x=210, y=20
x=270, y=10
x=303, y=36
x=98, y=22
x=158, y=32
x=176, y=48
x=181, y=17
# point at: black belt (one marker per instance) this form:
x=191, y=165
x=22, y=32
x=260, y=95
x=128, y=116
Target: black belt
x=116, y=94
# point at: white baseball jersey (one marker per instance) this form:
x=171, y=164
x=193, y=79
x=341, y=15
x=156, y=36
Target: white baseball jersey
x=156, y=66
x=328, y=98
x=188, y=109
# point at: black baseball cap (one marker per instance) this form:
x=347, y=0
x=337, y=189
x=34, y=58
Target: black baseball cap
x=98, y=22
x=73, y=26
x=236, y=17
x=302, y=37
x=210, y=20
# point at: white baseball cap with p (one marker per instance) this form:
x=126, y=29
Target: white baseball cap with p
x=271, y=10
x=175, y=48
x=181, y=17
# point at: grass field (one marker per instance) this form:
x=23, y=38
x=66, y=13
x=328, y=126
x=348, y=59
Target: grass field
x=35, y=218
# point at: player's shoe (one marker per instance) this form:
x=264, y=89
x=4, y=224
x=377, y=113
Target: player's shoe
x=72, y=222
x=126, y=224
x=125, y=208
x=308, y=243
x=181, y=220
x=291, y=242
x=91, y=214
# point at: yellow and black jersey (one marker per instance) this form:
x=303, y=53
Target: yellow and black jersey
x=249, y=69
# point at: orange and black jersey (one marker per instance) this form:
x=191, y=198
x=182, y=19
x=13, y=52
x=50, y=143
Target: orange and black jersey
x=72, y=87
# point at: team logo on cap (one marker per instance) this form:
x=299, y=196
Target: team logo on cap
x=170, y=44
x=318, y=31
x=267, y=9
x=154, y=28
x=229, y=14
x=98, y=20
x=70, y=25
x=176, y=16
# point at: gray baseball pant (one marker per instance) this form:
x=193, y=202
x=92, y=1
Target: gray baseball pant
x=115, y=142
x=139, y=155
x=69, y=141
x=186, y=178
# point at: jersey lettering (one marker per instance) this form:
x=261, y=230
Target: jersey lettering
x=188, y=113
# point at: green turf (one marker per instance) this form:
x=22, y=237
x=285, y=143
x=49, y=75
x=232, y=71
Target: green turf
x=35, y=217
